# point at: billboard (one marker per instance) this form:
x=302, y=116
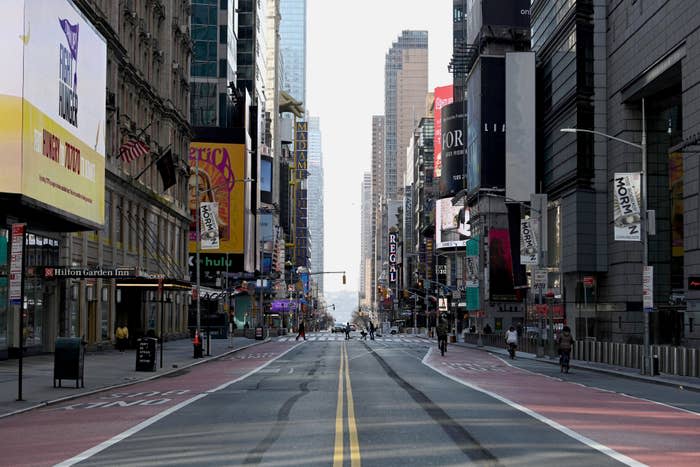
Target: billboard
x=500, y=266
x=507, y=13
x=626, y=211
x=443, y=96
x=453, y=148
x=451, y=224
x=52, y=108
x=219, y=178
x=520, y=125
x=486, y=124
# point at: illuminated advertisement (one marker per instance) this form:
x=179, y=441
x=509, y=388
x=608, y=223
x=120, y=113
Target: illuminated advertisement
x=486, y=126
x=52, y=108
x=219, y=179
x=453, y=146
x=500, y=266
x=484, y=13
x=443, y=96
x=451, y=224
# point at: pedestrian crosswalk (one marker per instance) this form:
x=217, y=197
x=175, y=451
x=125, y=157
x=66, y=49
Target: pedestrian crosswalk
x=325, y=337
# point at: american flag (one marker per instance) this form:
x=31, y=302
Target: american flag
x=133, y=149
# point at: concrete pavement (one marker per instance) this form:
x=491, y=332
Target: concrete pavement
x=103, y=370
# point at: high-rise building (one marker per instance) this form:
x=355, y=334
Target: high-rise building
x=213, y=66
x=405, y=86
x=293, y=48
x=315, y=199
x=378, y=131
x=365, y=295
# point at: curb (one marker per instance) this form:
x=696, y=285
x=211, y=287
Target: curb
x=128, y=383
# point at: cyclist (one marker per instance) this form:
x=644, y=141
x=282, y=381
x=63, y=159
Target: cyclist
x=512, y=341
x=564, y=343
x=442, y=329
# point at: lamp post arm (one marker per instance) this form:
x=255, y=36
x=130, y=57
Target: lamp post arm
x=604, y=135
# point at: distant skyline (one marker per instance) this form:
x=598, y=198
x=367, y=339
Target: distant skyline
x=345, y=87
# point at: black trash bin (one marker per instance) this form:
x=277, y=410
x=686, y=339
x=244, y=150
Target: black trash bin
x=655, y=365
x=69, y=359
x=146, y=354
x=259, y=333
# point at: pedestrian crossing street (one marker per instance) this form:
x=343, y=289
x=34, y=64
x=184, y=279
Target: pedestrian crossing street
x=355, y=336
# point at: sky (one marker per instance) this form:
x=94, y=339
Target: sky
x=346, y=46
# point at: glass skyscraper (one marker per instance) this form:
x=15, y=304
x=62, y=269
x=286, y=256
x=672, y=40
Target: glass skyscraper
x=293, y=48
x=315, y=199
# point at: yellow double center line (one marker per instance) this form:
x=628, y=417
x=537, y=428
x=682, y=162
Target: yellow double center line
x=344, y=377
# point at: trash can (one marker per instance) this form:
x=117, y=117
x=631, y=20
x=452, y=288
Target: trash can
x=69, y=359
x=146, y=354
x=259, y=333
x=655, y=365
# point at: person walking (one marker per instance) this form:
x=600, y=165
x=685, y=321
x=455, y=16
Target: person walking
x=371, y=331
x=122, y=336
x=564, y=344
x=301, y=330
x=442, y=330
x=347, y=331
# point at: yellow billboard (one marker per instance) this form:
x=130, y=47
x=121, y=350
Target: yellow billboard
x=52, y=108
x=218, y=179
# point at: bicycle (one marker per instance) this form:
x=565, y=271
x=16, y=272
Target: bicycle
x=564, y=359
x=442, y=344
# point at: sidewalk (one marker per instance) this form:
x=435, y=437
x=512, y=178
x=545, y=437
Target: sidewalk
x=687, y=383
x=103, y=370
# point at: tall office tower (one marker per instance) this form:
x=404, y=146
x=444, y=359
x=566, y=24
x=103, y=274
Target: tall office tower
x=378, y=131
x=366, y=241
x=213, y=64
x=405, y=86
x=293, y=48
x=314, y=208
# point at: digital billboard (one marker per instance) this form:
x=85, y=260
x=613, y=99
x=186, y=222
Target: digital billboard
x=220, y=180
x=52, y=108
x=500, y=266
x=505, y=13
x=453, y=148
x=486, y=126
x=451, y=224
x=443, y=96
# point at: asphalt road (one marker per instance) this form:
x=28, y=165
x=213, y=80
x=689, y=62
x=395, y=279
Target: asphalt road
x=388, y=402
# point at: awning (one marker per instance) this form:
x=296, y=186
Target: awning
x=154, y=283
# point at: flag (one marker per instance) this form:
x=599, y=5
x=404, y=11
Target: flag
x=166, y=169
x=133, y=149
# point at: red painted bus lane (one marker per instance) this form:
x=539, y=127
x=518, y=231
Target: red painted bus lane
x=645, y=431
x=51, y=435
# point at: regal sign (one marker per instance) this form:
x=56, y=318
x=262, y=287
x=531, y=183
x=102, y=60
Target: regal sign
x=392, y=257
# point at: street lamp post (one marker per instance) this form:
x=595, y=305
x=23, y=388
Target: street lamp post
x=647, y=363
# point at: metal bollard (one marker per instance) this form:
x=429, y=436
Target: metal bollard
x=693, y=362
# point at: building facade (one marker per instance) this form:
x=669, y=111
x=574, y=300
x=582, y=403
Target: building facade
x=315, y=200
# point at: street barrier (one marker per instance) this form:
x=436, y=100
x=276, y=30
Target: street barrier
x=670, y=360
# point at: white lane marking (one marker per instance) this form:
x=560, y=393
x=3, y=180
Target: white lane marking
x=567, y=431
x=146, y=423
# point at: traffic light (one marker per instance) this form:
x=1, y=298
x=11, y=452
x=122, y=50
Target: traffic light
x=405, y=293
x=343, y=279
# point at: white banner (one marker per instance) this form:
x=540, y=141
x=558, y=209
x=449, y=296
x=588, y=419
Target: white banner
x=209, y=226
x=648, y=288
x=16, y=263
x=626, y=211
x=528, y=242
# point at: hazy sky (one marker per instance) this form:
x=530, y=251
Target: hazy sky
x=346, y=46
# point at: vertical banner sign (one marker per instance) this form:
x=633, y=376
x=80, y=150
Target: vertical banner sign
x=16, y=254
x=472, y=279
x=392, y=257
x=528, y=242
x=209, y=226
x=648, y=289
x=626, y=212
x=443, y=96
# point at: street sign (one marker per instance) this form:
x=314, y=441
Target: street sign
x=540, y=278
x=588, y=281
x=16, y=263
